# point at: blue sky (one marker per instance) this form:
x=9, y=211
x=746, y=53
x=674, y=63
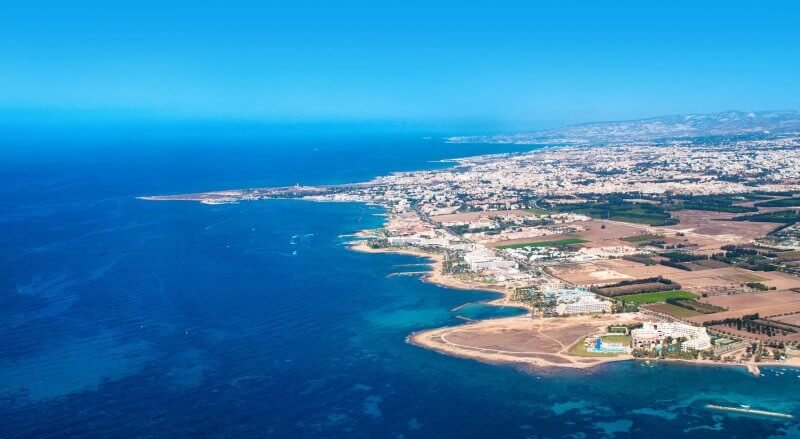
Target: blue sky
x=484, y=65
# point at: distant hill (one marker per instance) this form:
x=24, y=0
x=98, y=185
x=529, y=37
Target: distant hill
x=656, y=128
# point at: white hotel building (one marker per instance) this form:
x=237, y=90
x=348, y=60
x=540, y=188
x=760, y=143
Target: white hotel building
x=697, y=338
x=576, y=301
x=483, y=259
x=584, y=305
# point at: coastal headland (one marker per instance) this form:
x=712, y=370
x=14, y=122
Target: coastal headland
x=527, y=341
x=663, y=250
x=540, y=342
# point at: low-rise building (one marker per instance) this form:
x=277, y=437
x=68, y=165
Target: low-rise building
x=584, y=305
x=484, y=259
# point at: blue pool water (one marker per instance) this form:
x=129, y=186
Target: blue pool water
x=121, y=317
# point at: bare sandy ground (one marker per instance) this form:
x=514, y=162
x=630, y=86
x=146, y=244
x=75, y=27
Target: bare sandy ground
x=792, y=319
x=594, y=233
x=762, y=310
x=746, y=302
x=707, y=230
x=716, y=226
x=614, y=270
x=540, y=342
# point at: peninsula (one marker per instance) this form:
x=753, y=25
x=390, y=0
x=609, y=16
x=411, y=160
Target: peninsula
x=665, y=239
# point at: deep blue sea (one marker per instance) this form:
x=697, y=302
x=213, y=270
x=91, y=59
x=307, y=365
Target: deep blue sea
x=128, y=318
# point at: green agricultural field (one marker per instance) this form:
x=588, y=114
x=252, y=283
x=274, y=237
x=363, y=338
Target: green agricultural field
x=536, y=211
x=781, y=216
x=673, y=310
x=619, y=210
x=642, y=238
x=557, y=243
x=714, y=203
x=789, y=256
x=781, y=202
x=656, y=297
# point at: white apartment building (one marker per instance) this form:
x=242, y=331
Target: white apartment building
x=483, y=259
x=584, y=305
x=574, y=300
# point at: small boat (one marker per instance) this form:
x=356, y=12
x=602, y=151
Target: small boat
x=744, y=406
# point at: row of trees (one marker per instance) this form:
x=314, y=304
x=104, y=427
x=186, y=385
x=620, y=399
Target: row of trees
x=636, y=286
x=751, y=324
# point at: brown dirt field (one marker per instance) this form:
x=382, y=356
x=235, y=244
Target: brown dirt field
x=644, y=271
x=609, y=271
x=470, y=216
x=780, y=280
x=733, y=277
x=714, y=225
x=695, y=267
x=512, y=340
x=615, y=270
x=792, y=337
x=587, y=274
x=704, y=231
x=730, y=277
x=762, y=310
x=547, y=340
x=747, y=301
x=614, y=230
x=610, y=236
x=568, y=334
x=671, y=310
x=597, y=236
x=632, y=289
x=792, y=319
x=711, y=263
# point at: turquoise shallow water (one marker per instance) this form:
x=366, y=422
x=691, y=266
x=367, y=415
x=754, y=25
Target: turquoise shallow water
x=121, y=317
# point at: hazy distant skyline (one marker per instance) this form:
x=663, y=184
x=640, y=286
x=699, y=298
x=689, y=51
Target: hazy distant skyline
x=509, y=66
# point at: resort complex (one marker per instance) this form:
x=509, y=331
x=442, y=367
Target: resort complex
x=690, y=245
x=653, y=335
x=577, y=301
